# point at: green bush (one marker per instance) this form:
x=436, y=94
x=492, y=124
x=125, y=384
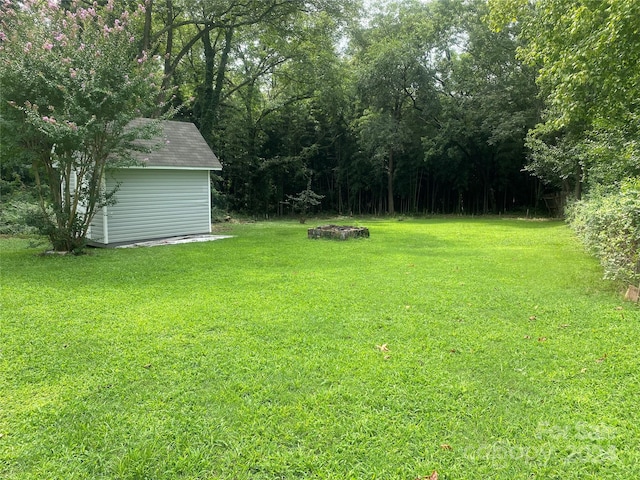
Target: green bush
x=16, y=214
x=608, y=222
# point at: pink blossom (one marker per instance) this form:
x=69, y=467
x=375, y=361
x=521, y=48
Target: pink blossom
x=27, y=47
x=110, y=6
x=47, y=46
x=73, y=73
x=2, y=36
x=60, y=36
x=132, y=39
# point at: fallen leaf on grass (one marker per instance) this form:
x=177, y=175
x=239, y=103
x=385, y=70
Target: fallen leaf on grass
x=619, y=308
x=383, y=348
x=433, y=476
x=446, y=446
x=602, y=358
x=532, y=317
x=542, y=339
x=583, y=370
x=528, y=337
x=148, y=365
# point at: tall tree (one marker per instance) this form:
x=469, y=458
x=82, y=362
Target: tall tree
x=588, y=59
x=72, y=80
x=434, y=74
x=395, y=85
x=212, y=30
x=487, y=100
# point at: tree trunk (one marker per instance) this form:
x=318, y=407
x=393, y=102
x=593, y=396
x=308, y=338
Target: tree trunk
x=214, y=94
x=146, y=32
x=168, y=65
x=390, y=206
x=206, y=113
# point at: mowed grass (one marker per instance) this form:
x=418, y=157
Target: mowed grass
x=478, y=348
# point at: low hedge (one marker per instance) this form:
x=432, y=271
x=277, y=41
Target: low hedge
x=608, y=222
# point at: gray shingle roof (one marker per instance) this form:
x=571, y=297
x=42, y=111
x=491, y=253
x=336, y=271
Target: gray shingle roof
x=181, y=146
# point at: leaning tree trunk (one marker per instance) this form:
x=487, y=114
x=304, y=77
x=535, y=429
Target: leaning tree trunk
x=213, y=94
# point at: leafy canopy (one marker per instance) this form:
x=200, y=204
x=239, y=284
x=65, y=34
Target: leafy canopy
x=72, y=80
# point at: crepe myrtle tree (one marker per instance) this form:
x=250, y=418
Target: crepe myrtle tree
x=72, y=80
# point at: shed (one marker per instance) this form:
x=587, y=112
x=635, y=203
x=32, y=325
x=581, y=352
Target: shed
x=168, y=195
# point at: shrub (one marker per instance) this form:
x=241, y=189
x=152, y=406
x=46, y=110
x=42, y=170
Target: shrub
x=16, y=212
x=608, y=222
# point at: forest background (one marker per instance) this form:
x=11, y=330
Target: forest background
x=412, y=107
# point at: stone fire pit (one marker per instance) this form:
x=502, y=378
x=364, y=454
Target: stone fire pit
x=340, y=232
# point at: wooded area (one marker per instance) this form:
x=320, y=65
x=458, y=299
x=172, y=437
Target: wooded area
x=445, y=106
x=412, y=107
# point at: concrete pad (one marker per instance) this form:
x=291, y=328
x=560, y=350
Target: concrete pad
x=176, y=240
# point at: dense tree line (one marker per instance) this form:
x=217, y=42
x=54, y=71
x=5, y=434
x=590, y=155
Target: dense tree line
x=408, y=107
x=445, y=106
x=419, y=108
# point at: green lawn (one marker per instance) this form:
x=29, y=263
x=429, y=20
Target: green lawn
x=480, y=348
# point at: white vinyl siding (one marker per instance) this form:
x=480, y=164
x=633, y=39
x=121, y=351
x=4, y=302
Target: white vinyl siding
x=154, y=204
x=97, y=228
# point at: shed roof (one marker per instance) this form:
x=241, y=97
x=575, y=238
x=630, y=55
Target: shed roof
x=181, y=146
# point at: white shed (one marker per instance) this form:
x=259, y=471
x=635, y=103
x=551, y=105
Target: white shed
x=170, y=195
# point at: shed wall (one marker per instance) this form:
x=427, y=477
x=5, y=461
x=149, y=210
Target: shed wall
x=154, y=204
